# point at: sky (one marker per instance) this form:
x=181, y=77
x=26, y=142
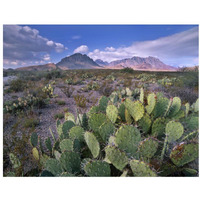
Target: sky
x=25, y=45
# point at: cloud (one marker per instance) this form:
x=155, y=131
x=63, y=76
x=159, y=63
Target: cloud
x=76, y=37
x=22, y=44
x=81, y=49
x=171, y=49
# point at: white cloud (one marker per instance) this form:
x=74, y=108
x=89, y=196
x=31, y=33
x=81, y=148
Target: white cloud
x=170, y=49
x=23, y=44
x=46, y=57
x=76, y=37
x=81, y=49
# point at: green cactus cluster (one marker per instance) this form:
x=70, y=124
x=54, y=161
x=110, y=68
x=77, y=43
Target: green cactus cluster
x=123, y=137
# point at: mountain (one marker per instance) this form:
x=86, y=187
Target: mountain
x=101, y=62
x=138, y=63
x=77, y=61
x=49, y=66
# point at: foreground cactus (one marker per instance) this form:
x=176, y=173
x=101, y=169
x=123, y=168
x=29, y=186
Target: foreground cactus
x=122, y=137
x=97, y=168
x=184, y=153
x=128, y=139
x=136, y=109
x=92, y=143
x=141, y=169
x=117, y=157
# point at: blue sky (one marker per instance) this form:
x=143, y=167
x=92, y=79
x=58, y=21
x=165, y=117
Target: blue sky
x=25, y=45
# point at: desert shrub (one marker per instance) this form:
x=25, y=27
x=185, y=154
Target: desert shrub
x=17, y=85
x=127, y=70
x=68, y=90
x=60, y=102
x=80, y=101
x=59, y=116
x=31, y=123
x=106, y=89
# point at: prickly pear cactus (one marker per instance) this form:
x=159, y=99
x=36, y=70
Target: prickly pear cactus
x=14, y=160
x=96, y=120
x=53, y=166
x=128, y=118
x=148, y=148
x=151, y=99
x=76, y=132
x=121, y=111
x=106, y=130
x=141, y=169
x=66, y=127
x=136, y=109
x=174, y=130
x=103, y=102
x=187, y=109
x=35, y=153
x=95, y=168
x=161, y=107
x=145, y=123
x=184, y=153
x=158, y=128
x=117, y=157
x=192, y=123
x=34, y=139
x=92, y=143
x=112, y=113
x=128, y=139
x=66, y=145
x=175, y=107
x=70, y=161
x=69, y=117
x=142, y=95
x=48, y=144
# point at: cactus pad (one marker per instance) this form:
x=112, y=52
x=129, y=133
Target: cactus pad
x=175, y=107
x=136, y=109
x=34, y=139
x=103, y=102
x=66, y=127
x=161, y=107
x=128, y=117
x=187, y=109
x=14, y=160
x=148, y=148
x=128, y=139
x=184, y=153
x=106, y=129
x=70, y=161
x=173, y=130
x=112, y=113
x=141, y=169
x=66, y=145
x=95, y=168
x=151, y=99
x=142, y=95
x=122, y=112
x=76, y=132
x=145, y=123
x=116, y=157
x=48, y=144
x=96, y=120
x=192, y=123
x=158, y=128
x=69, y=117
x=92, y=143
x=53, y=166
x=35, y=153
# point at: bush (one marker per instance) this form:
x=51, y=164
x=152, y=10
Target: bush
x=17, y=85
x=31, y=123
x=59, y=116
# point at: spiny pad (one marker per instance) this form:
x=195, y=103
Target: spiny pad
x=116, y=157
x=184, y=153
x=128, y=139
x=141, y=169
x=112, y=113
x=92, y=143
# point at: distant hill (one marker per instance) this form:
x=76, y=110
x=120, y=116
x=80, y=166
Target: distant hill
x=49, y=66
x=80, y=61
x=77, y=61
x=101, y=62
x=139, y=63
